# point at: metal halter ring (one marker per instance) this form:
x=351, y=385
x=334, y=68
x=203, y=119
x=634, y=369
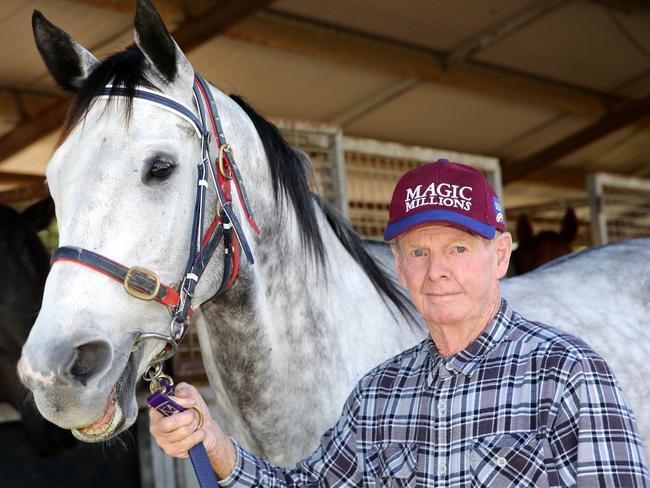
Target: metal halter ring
x=137, y=289
x=224, y=148
x=200, y=414
x=168, y=351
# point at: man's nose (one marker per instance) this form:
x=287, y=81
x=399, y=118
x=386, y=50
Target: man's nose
x=438, y=268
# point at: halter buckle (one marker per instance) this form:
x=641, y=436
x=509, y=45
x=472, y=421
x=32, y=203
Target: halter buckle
x=141, y=283
x=224, y=148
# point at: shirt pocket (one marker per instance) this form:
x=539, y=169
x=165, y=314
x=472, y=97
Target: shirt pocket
x=392, y=465
x=508, y=461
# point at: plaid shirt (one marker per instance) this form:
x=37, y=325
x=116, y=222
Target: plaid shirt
x=524, y=405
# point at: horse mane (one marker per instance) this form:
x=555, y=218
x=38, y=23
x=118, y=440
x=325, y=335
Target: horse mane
x=358, y=250
x=289, y=173
x=290, y=179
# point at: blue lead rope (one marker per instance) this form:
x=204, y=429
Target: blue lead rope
x=198, y=455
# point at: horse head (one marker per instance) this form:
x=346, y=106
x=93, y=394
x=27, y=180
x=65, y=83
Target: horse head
x=124, y=181
x=534, y=250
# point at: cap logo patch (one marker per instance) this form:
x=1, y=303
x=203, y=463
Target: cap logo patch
x=497, y=210
x=440, y=194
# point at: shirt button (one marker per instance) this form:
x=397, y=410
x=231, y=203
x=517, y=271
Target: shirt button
x=502, y=462
x=449, y=367
x=442, y=468
x=442, y=406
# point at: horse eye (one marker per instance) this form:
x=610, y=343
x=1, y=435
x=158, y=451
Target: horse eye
x=160, y=169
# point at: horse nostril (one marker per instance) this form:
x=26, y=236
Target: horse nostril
x=89, y=360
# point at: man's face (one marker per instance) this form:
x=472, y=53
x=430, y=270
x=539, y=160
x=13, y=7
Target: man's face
x=451, y=275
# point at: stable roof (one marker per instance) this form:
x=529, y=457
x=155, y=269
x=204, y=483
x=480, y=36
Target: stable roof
x=554, y=88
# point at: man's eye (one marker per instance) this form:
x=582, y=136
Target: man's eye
x=460, y=249
x=417, y=253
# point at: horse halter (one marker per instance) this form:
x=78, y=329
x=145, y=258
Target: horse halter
x=217, y=159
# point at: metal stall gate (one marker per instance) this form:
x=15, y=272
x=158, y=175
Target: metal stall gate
x=373, y=168
x=323, y=146
x=620, y=207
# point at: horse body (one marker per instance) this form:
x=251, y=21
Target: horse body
x=600, y=295
x=24, y=271
x=533, y=250
x=285, y=344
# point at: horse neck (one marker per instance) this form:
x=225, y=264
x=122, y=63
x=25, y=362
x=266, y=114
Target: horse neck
x=269, y=344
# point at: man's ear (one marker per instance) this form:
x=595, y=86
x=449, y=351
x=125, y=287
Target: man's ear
x=394, y=247
x=503, y=249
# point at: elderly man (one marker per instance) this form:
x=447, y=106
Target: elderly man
x=488, y=399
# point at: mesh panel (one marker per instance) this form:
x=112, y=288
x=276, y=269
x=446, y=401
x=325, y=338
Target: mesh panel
x=371, y=179
x=627, y=212
x=321, y=149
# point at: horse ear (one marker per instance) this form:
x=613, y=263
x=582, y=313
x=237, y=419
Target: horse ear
x=569, y=228
x=68, y=62
x=524, y=231
x=40, y=214
x=155, y=42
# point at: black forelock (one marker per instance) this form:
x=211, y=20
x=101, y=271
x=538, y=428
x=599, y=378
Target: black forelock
x=290, y=177
x=125, y=69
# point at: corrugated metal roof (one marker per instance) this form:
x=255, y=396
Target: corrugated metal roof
x=436, y=24
x=284, y=84
x=578, y=43
x=578, y=46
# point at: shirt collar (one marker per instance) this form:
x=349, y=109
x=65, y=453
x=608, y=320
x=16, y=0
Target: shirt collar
x=467, y=360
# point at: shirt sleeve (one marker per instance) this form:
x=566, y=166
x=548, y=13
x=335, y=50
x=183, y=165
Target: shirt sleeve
x=333, y=464
x=596, y=440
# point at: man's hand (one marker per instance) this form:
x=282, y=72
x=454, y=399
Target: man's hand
x=178, y=433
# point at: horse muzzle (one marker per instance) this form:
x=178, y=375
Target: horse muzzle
x=74, y=385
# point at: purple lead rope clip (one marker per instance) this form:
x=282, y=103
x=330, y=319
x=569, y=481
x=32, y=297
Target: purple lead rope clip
x=161, y=387
x=159, y=398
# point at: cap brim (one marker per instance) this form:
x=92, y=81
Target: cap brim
x=398, y=227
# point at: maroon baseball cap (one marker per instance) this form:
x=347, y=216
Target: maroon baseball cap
x=445, y=192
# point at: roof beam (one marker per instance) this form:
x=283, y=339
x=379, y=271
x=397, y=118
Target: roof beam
x=504, y=28
x=172, y=11
x=374, y=101
x=45, y=122
x=10, y=177
x=188, y=36
x=617, y=119
x=17, y=105
x=23, y=193
x=559, y=177
x=280, y=31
